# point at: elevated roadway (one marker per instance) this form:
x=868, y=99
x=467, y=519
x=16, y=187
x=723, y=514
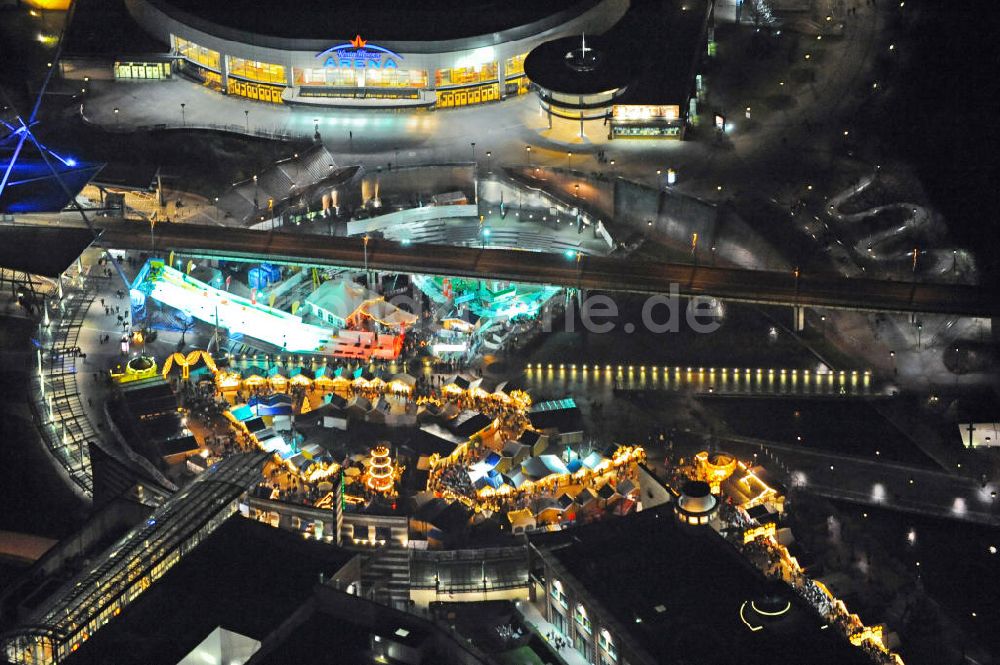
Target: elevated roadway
x=587, y=272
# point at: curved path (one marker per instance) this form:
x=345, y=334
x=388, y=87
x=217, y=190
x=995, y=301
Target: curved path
x=893, y=247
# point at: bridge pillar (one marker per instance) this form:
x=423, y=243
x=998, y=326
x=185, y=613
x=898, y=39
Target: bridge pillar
x=799, y=313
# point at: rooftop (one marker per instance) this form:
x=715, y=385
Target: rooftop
x=67, y=612
x=427, y=20
x=678, y=592
x=241, y=577
x=652, y=50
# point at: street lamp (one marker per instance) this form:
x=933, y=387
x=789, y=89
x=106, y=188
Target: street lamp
x=489, y=162
x=246, y=117
x=365, y=239
x=217, y=209
x=183, y=120
x=473, y=144
x=527, y=149
x=116, y=116
x=569, y=161
x=920, y=327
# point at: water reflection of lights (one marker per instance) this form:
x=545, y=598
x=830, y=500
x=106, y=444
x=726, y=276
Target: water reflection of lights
x=712, y=379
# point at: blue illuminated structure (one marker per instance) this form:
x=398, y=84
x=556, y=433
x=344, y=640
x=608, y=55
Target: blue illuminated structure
x=36, y=192
x=35, y=177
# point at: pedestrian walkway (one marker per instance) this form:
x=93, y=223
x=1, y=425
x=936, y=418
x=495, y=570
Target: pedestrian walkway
x=567, y=654
x=62, y=419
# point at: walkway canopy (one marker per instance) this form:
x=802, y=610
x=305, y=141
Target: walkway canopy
x=42, y=250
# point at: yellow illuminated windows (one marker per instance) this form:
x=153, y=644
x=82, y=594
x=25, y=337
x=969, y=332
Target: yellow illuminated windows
x=514, y=66
x=466, y=75
x=350, y=77
x=256, y=71
x=197, y=54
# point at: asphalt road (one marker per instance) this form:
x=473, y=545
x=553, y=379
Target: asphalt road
x=587, y=272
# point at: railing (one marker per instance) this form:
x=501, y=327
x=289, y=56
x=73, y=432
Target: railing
x=60, y=416
x=274, y=134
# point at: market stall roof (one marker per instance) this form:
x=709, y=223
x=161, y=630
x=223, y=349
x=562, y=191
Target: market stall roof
x=543, y=466
x=342, y=297
x=405, y=379
x=463, y=381
x=469, y=423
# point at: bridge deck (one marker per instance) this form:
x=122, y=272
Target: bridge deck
x=589, y=272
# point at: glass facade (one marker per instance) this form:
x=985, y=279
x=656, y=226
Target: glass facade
x=466, y=75
x=514, y=66
x=476, y=79
x=346, y=77
x=197, y=54
x=84, y=604
x=142, y=70
x=253, y=70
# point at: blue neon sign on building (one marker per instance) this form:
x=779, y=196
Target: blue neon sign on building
x=359, y=54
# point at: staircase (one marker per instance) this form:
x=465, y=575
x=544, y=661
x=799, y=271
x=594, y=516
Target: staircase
x=385, y=576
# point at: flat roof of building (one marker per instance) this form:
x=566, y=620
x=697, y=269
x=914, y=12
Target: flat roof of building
x=175, y=523
x=336, y=627
x=385, y=20
x=651, y=51
x=247, y=577
x=672, y=33
x=613, y=66
x=677, y=590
